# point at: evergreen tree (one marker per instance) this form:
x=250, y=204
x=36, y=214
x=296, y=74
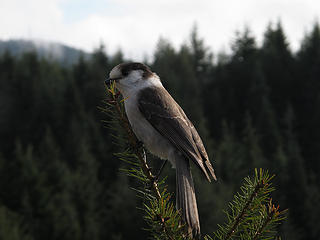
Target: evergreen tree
x=306, y=99
x=11, y=226
x=277, y=65
x=230, y=156
x=254, y=154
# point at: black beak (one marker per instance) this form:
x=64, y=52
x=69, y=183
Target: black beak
x=108, y=81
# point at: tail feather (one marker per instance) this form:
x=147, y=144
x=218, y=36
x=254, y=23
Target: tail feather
x=186, y=198
x=210, y=168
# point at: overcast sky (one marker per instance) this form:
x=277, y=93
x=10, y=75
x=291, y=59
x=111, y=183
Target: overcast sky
x=136, y=25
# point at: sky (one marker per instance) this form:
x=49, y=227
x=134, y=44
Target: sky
x=135, y=26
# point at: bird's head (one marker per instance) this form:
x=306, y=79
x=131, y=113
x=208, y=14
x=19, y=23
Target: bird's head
x=130, y=76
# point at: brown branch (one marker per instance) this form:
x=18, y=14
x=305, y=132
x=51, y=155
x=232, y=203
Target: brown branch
x=244, y=210
x=271, y=213
x=133, y=141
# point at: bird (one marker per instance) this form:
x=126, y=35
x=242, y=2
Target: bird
x=165, y=131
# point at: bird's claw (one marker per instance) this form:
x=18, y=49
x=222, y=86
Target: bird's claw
x=139, y=144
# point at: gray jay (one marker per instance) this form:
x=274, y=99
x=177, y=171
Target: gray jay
x=165, y=130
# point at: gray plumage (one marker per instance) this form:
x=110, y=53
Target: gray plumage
x=161, y=124
x=186, y=197
x=166, y=116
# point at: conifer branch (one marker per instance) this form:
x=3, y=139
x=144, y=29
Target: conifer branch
x=243, y=212
x=117, y=105
x=252, y=214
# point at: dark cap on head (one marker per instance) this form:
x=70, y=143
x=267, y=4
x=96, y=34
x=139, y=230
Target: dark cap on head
x=126, y=68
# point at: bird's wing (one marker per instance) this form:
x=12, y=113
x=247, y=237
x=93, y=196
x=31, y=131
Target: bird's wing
x=168, y=118
x=202, y=150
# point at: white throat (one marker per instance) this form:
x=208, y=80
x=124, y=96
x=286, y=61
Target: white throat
x=134, y=85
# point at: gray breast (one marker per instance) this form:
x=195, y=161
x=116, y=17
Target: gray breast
x=145, y=132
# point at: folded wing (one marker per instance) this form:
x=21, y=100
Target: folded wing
x=167, y=117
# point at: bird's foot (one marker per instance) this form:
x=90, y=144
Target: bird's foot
x=139, y=144
x=138, y=147
x=156, y=177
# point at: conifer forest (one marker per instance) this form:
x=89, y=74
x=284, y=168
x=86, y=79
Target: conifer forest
x=257, y=106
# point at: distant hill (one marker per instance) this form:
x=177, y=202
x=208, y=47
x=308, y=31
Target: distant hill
x=54, y=51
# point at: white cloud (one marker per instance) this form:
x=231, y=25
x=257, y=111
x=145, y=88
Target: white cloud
x=32, y=18
x=135, y=26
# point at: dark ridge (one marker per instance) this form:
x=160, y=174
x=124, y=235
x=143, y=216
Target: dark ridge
x=49, y=50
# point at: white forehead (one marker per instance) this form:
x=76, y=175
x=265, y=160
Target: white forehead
x=115, y=72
